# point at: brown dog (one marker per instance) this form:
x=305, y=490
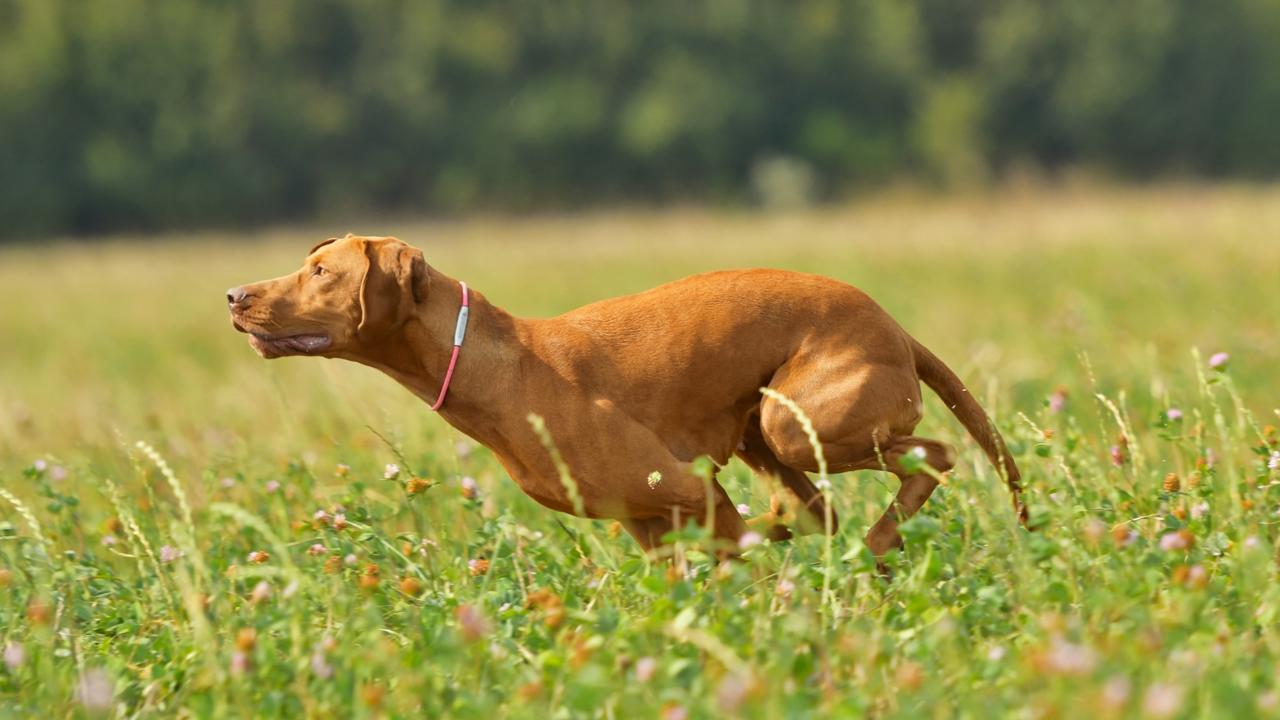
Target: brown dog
x=633, y=389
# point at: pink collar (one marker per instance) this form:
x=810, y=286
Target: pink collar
x=459, y=332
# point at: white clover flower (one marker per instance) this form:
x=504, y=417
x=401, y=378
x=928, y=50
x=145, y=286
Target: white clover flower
x=1115, y=692
x=14, y=655
x=320, y=665
x=732, y=692
x=1071, y=659
x=96, y=691
x=261, y=592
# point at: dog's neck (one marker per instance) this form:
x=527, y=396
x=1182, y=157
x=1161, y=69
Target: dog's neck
x=417, y=356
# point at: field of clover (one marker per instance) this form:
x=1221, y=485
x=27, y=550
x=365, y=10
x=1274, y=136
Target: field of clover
x=186, y=530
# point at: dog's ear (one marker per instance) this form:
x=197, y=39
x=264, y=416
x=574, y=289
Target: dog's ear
x=364, y=285
x=415, y=281
x=395, y=281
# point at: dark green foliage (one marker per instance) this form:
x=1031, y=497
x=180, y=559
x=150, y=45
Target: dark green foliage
x=143, y=114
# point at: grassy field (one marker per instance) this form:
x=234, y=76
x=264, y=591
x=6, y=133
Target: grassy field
x=170, y=541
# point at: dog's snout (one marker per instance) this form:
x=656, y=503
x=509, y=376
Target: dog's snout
x=236, y=295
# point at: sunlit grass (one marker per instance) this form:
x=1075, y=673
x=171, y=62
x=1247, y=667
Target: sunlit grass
x=257, y=555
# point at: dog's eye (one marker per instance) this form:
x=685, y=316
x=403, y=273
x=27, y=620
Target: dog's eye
x=319, y=270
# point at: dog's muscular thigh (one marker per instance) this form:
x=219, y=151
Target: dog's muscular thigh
x=853, y=409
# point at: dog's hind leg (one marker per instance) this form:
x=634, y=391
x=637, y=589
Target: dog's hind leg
x=906, y=457
x=757, y=455
x=863, y=424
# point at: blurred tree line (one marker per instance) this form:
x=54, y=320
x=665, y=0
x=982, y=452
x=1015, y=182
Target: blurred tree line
x=148, y=114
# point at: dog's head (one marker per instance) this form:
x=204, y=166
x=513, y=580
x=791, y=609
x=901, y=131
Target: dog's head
x=348, y=293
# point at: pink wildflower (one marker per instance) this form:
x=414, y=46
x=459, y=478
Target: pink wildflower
x=1175, y=541
x=472, y=622
x=1117, y=456
x=645, y=669
x=1162, y=700
x=1058, y=400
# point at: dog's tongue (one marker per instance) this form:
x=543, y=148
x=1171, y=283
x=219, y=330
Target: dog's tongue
x=308, y=343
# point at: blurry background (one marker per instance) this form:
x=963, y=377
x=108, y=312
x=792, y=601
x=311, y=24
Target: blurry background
x=167, y=114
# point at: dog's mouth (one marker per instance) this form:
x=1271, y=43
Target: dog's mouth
x=272, y=345
x=269, y=346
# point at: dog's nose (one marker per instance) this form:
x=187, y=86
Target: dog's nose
x=236, y=295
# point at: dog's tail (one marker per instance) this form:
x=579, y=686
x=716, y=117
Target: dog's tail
x=944, y=382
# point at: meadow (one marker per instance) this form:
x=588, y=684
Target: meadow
x=187, y=530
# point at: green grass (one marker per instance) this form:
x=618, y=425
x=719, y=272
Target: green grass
x=1102, y=296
